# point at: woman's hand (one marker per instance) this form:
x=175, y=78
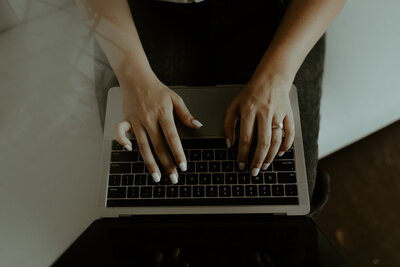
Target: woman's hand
x=264, y=102
x=148, y=110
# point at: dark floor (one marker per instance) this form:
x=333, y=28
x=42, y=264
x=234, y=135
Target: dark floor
x=362, y=216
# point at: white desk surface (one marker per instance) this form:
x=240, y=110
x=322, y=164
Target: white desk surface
x=51, y=135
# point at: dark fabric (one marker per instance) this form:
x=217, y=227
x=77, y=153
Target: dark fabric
x=222, y=42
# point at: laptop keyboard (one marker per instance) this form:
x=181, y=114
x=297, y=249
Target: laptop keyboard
x=212, y=178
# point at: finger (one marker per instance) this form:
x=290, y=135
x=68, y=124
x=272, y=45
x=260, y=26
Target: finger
x=183, y=112
x=288, y=124
x=246, y=133
x=174, y=142
x=263, y=143
x=230, y=121
x=145, y=151
x=276, y=139
x=160, y=148
x=121, y=129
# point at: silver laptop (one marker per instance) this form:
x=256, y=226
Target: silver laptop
x=212, y=184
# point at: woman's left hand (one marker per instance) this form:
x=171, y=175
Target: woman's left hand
x=265, y=103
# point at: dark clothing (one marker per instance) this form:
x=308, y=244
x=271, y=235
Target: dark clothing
x=222, y=42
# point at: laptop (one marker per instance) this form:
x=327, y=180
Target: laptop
x=213, y=184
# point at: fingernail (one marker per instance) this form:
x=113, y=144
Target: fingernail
x=128, y=147
x=156, y=177
x=255, y=171
x=182, y=166
x=197, y=123
x=228, y=143
x=265, y=166
x=174, y=178
x=280, y=154
x=242, y=166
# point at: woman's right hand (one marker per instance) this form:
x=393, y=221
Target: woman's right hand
x=148, y=111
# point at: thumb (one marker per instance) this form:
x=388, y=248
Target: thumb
x=183, y=113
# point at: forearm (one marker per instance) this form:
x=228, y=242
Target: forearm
x=303, y=24
x=115, y=31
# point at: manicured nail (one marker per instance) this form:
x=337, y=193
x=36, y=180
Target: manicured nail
x=128, y=147
x=197, y=123
x=156, y=177
x=228, y=143
x=242, y=166
x=265, y=166
x=280, y=154
x=182, y=166
x=255, y=171
x=174, y=178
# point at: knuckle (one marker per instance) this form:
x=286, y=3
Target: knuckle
x=249, y=107
x=263, y=143
x=245, y=140
x=275, y=141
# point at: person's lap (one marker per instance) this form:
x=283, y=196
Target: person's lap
x=221, y=42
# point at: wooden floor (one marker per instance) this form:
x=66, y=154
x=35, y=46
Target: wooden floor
x=362, y=216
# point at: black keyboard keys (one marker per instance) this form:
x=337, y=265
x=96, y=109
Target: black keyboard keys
x=277, y=190
x=119, y=156
x=192, y=178
x=116, y=145
x=120, y=168
x=227, y=166
x=214, y=166
x=212, y=191
x=231, y=178
x=287, y=178
x=140, y=179
x=114, y=180
x=283, y=165
x=198, y=191
x=159, y=191
x=237, y=190
x=251, y=190
x=201, y=166
x=270, y=177
x=208, y=154
x=138, y=167
x=127, y=179
x=220, y=154
x=146, y=192
x=291, y=190
x=257, y=179
x=195, y=155
x=264, y=190
x=218, y=178
x=133, y=192
x=244, y=178
x=204, y=178
x=224, y=191
x=172, y=191
x=185, y=191
x=116, y=192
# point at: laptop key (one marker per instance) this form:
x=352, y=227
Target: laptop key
x=244, y=178
x=212, y=191
x=150, y=180
x=264, y=190
x=287, y=178
x=172, y=191
x=127, y=179
x=166, y=181
x=232, y=154
x=204, y=178
x=181, y=179
x=237, y=190
x=257, y=179
x=120, y=168
x=159, y=191
x=218, y=178
x=146, y=192
x=114, y=179
x=251, y=190
x=208, y=154
x=224, y=191
x=133, y=192
x=214, y=166
x=230, y=178
x=291, y=190
x=283, y=165
x=270, y=177
x=227, y=166
x=192, y=178
x=140, y=179
x=190, y=166
x=116, y=192
x=118, y=156
x=138, y=167
x=194, y=155
x=185, y=191
x=116, y=145
x=277, y=190
x=287, y=155
x=220, y=154
x=198, y=191
x=201, y=166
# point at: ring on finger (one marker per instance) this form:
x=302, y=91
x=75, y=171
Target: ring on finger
x=278, y=126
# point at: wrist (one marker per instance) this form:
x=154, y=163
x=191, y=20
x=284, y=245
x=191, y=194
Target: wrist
x=272, y=77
